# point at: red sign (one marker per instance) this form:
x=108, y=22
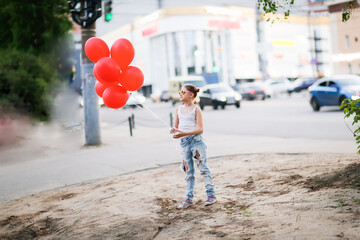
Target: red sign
x=223, y=24
x=150, y=30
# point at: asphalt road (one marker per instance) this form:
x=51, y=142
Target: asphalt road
x=283, y=117
x=53, y=155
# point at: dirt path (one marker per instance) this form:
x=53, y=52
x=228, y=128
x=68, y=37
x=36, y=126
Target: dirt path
x=261, y=196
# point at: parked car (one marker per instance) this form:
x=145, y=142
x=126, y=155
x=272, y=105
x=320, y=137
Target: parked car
x=275, y=87
x=331, y=91
x=155, y=96
x=135, y=99
x=251, y=91
x=100, y=101
x=301, y=84
x=164, y=96
x=216, y=95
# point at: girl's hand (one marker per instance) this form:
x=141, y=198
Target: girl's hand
x=179, y=134
x=173, y=130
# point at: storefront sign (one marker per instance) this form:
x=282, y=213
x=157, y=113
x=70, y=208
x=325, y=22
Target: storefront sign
x=150, y=30
x=223, y=24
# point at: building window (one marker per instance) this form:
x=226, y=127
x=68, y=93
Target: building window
x=356, y=39
x=347, y=41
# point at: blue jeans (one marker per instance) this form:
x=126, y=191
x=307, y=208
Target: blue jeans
x=194, y=149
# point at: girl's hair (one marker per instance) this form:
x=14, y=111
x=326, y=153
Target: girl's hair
x=192, y=89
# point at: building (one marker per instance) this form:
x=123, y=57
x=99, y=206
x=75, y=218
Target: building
x=345, y=37
x=299, y=46
x=223, y=43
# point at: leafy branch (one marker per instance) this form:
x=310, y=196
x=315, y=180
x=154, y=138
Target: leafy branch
x=274, y=6
x=351, y=109
x=347, y=10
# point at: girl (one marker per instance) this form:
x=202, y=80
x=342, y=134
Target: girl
x=188, y=127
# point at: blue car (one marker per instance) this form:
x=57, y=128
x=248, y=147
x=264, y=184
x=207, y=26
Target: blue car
x=331, y=91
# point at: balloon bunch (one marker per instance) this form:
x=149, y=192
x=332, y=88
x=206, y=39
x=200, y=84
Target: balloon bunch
x=114, y=75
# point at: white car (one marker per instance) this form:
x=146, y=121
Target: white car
x=274, y=88
x=135, y=99
x=100, y=101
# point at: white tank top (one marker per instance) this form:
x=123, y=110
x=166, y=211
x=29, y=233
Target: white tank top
x=187, y=122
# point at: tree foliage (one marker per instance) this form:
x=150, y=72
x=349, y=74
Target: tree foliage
x=275, y=6
x=352, y=110
x=33, y=26
x=35, y=47
x=347, y=10
x=25, y=82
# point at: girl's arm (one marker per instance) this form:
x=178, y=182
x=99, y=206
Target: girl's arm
x=199, y=125
x=176, y=123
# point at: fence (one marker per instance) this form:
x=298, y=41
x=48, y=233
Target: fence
x=155, y=122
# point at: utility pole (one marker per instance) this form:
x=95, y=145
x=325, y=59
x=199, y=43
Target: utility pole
x=91, y=106
x=160, y=4
x=85, y=13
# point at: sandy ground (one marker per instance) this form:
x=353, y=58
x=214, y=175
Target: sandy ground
x=261, y=196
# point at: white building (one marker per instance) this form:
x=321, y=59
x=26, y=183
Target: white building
x=297, y=46
x=222, y=42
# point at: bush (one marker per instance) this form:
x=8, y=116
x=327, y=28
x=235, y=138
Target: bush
x=25, y=84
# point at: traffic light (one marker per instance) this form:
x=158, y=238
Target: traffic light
x=108, y=11
x=85, y=16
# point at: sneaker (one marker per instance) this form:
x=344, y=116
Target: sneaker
x=210, y=200
x=187, y=203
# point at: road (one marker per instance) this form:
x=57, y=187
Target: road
x=53, y=155
x=284, y=117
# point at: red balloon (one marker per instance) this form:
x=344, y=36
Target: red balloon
x=115, y=96
x=96, y=48
x=105, y=83
x=95, y=74
x=132, y=78
x=106, y=70
x=100, y=88
x=123, y=52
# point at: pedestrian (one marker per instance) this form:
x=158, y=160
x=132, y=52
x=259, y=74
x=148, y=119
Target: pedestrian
x=188, y=127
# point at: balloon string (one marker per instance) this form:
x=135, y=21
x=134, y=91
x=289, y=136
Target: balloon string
x=156, y=116
x=152, y=113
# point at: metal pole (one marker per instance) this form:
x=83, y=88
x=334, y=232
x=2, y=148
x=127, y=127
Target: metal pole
x=171, y=120
x=130, y=126
x=159, y=4
x=260, y=45
x=91, y=107
x=133, y=120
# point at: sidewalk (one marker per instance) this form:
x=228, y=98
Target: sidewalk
x=58, y=157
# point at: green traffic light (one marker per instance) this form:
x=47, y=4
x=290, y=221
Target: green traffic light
x=108, y=16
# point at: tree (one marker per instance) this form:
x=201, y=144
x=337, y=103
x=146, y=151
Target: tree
x=38, y=30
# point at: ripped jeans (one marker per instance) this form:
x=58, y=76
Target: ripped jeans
x=194, y=149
